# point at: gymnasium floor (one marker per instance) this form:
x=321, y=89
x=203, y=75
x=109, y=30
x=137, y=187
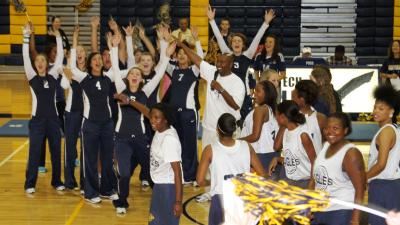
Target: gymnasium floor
x=49, y=207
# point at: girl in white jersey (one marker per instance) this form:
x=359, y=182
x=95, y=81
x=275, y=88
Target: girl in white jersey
x=226, y=158
x=260, y=126
x=305, y=94
x=339, y=170
x=165, y=168
x=383, y=165
x=296, y=144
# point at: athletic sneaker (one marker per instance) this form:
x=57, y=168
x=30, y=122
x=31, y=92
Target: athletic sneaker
x=60, y=188
x=30, y=190
x=204, y=197
x=94, y=200
x=82, y=192
x=187, y=183
x=111, y=197
x=145, y=183
x=195, y=184
x=42, y=169
x=77, y=162
x=121, y=210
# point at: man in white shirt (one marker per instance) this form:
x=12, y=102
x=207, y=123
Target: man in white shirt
x=225, y=92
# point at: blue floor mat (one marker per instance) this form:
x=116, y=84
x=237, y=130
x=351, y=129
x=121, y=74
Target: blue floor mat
x=15, y=128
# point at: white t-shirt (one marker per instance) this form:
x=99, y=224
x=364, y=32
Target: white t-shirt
x=165, y=148
x=215, y=102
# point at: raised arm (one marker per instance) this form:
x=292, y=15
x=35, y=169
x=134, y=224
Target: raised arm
x=221, y=42
x=94, y=23
x=160, y=70
x=146, y=41
x=195, y=34
x=32, y=42
x=129, y=45
x=122, y=55
x=268, y=17
x=192, y=56
x=29, y=71
x=59, y=57
x=119, y=83
x=77, y=74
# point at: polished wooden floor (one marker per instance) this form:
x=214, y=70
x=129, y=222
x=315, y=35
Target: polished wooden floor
x=49, y=207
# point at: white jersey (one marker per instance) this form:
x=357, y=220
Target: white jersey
x=314, y=130
x=330, y=177
x=296, y=161
x=165, y=148
x=269, y=130
x=392, y=170
x=227, y=162
x=215, y=102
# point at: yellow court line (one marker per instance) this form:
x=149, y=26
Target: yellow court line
x=16, y=151
x=75, y=213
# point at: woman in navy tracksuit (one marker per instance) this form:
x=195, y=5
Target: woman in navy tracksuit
x=131, y=143
x=97, y=128
x=73, y=119
x=45, y=121
x=183, y=97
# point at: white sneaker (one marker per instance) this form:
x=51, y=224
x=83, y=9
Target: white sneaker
x=145, y=183
x=82, y=192
x=111, y=197
x=187, y=184
x=30, y=190
x=94, y=200
x=121, y=210
x=204, y=197
x=60, y=188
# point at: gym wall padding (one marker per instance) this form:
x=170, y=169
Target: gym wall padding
x=374, y=27
x=146, y=11
x=10, y=28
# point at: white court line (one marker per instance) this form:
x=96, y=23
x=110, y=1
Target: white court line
x=16, y=151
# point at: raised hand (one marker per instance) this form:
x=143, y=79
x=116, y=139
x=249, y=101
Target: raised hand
x=77, y=29
x=129, y=29
x=195, y=32
x=26, y=30
x=142, y=33
x=95, y=21
x=109, y=40
x=269, y=16
x=31, y=26
x=116, y=39
x=113, y=25
x=210, y=13
x=171, y=49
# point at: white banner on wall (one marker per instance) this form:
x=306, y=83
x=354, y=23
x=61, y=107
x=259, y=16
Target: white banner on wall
x=354, y=85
